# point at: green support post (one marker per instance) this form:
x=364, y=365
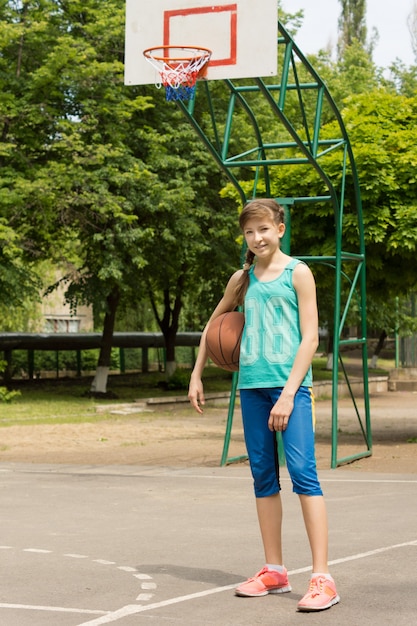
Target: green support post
x=232, y=402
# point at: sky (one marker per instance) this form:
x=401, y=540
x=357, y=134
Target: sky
x=388, y=16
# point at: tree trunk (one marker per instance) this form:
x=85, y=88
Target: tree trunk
x=377, y=351
x=169, y=324
x=171, y=363
x=99, y=384
x=330, y=343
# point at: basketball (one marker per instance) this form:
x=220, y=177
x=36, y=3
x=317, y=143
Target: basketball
x=223, y=340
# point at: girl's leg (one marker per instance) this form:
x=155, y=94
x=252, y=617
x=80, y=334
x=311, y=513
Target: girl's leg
x=269, y=511
x=299, y=449
x=315, y=520
x=262, y=450
x=322, y=593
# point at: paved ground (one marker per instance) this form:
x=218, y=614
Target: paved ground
x=130, y=545
x=97, y=545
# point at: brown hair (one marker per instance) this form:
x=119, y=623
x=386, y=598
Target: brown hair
x=264, y=207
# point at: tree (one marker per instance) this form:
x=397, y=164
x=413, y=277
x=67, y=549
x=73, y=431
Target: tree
x=352, y=24
x=97, y=177
x=412, y=27
x=69, y=180
x=403, y=79
x=353, y=73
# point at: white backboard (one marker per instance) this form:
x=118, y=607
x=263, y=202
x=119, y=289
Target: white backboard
x=242, y=35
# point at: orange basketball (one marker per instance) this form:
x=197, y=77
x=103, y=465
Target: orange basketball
x=223, y=340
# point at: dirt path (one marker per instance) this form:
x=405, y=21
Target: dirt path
x=178, y=437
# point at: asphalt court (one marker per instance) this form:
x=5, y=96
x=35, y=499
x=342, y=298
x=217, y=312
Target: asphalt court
x=130, y=545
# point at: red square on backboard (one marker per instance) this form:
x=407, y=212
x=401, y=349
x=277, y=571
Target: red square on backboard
x=229, y=11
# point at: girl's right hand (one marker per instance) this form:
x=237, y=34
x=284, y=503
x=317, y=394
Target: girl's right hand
x=196, y=394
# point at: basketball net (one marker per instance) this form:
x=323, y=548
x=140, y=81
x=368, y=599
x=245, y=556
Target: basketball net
x=179, y=67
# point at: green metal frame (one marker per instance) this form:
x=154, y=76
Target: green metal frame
x=303, y=146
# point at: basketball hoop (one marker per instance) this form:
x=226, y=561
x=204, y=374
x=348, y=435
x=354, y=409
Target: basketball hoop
x=179, y=68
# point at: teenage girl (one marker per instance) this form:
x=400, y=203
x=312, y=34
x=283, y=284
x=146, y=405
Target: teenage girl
x=279, y=341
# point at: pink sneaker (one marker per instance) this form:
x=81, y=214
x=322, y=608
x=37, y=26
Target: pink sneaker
x=321, y=595
x=264, y=582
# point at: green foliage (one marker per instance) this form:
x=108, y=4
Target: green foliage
x=179, y=380
x=353, y=73
x=382, y=128
x=402, y=79
x=5, y=394
x=8, y=396
x=64, y=360
x=291, y=21
x=18, y=281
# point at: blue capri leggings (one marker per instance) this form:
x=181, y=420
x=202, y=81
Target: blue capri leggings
x=298, y=441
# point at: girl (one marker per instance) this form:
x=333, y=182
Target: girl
x=278, y=343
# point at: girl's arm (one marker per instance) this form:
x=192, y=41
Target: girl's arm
x=305, y=287
x=227, y=303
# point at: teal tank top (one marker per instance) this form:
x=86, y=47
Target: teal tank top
x=271, y=335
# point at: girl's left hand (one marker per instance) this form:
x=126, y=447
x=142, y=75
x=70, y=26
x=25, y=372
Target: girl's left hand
x=280, y=414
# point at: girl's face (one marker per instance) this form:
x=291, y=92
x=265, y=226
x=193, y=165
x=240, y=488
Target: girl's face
x=262, y=235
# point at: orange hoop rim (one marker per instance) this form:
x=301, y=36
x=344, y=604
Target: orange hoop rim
x=205, y=52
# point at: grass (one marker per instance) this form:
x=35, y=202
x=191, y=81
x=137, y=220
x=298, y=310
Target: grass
x=59, y=401
x=41, y=407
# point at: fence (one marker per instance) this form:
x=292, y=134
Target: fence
x=78, y=342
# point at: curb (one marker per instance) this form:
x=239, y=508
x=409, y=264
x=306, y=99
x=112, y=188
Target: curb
x=322, y=389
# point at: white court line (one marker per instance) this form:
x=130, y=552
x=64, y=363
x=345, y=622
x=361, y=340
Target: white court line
x=363, y=555
x=37, y=550
x=54, y=609
x=144, y=597
x=77, y=556
x=360, y=555
x=127, y=568
x=137, y=608
x=132, y=609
